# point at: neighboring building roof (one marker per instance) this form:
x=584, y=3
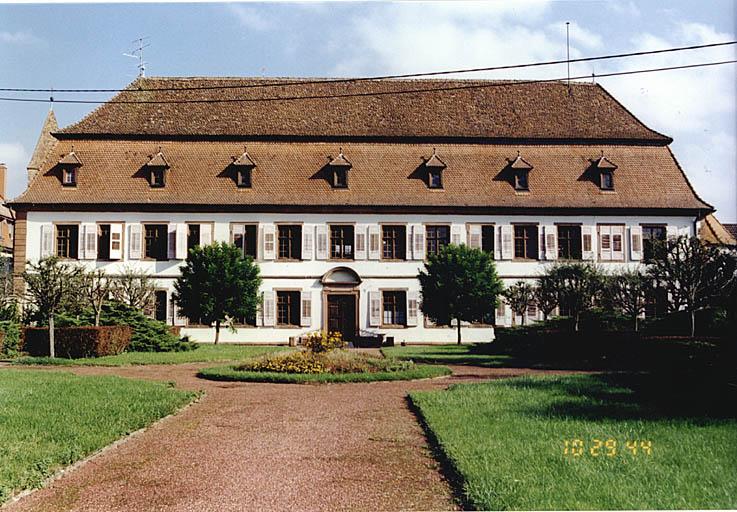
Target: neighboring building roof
x=731, y=229
x=484, y=109
x=714, y=232
x=385, y=175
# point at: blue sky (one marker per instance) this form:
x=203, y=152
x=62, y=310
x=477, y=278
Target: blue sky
x=81, y=46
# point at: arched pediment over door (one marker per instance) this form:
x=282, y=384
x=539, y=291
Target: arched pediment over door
x=341, y=277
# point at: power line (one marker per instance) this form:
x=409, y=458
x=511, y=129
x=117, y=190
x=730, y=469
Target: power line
x=376, y=93
x=383, y=77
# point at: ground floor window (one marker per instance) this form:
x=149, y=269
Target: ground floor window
x=67, y=241
x=394, y=307
x=287, y=308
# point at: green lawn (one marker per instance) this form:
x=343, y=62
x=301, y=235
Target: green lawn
x=505, y=442
x=471, y=354
x=51, y=419
x=203, y=353
x=230, y=373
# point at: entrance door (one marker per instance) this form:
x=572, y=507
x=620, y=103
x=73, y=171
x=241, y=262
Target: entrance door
x=342, y=315
x=160, y=305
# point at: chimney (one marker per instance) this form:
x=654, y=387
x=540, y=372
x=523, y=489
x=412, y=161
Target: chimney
x=3, y=181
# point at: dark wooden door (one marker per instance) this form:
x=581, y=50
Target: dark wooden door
x=160, y=305
x=342, y=315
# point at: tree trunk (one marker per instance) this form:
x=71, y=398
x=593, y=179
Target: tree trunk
x=693, y=323
x=97, y=316
x=575, y=324
x=217, y=331
x=458, y=325
x=51, y=336
x=636, y=326
x=524, y=314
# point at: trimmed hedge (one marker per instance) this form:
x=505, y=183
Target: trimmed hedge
x=76, y=342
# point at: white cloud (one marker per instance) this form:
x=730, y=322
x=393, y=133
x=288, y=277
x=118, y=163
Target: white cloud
x=15, y=156
x=578, y=34
x=622, y=8
x=251, y=18
x=20, y=37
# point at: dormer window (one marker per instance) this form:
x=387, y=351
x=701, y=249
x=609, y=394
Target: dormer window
x=157, y=167
x=69, y=177
x=606, y=172
x=339, y=167
x=434, y=166
x=521, y=173
x=243, y=165
x=69, y=164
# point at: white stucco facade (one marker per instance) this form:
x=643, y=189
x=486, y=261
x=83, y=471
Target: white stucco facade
x=375, y=274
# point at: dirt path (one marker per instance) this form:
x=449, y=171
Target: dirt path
x=267, y=447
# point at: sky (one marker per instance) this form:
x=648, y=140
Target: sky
x=82, y=46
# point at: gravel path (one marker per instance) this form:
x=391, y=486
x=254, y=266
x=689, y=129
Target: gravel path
x=267, y=447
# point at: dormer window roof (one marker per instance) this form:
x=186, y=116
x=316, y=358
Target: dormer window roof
x=70, y=159
x=69, y=164
x=606, y=172
x=157, y=166
x=243, y=166
x=244, y=160
x=340, y=166
x=521, y=169
x=434, y=166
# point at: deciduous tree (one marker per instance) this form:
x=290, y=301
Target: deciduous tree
x=545, y=295
x=626, y=290
x=577, y=286
x=519, y=296
x=135, y=288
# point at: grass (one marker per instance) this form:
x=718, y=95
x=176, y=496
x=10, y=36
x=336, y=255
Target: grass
x=230, y=373
x=204, y=353
x=449, y=354
x=52, y=419
x=504, y=441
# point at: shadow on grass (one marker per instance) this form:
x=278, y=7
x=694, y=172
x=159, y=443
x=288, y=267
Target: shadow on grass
x=448, y=468
x=635, y=396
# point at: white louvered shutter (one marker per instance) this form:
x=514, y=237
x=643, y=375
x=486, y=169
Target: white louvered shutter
x=507, y=239
x=540, y=243
x=374, y=234
x=205, y=234
x=47, y=240
x=499, y=313
x=172, y=241
x=497, y=242
x=587, y=242
x=605, y=243
x=269, y=242
x=374, y=308
x=671, y=232
x=474, y=236
x=269, y=309
x=635, y=243
x=90, y=241
x=180, y=249
x=412, y=308
x=617, y=243
x=308, y=234
x=457, y=234
x=408, y=242
x=116, y=241
x=306, y=308
x=360, y=242
x=321, y=244
x=134, y=242
x=418, y=242
x=551, y=243
x=238, y=232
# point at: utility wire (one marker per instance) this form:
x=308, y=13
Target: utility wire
x=377, y=93
x=384, y=77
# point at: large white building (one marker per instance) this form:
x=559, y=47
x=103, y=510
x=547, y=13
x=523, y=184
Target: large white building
x=339, y=190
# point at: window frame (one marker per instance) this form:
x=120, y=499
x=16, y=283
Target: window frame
x=340, y=177
x=246, y=225
x=66, y=173
x=521, y=176
x=437, y=240
x=350, y=239
x=73, y=248
x=401, y=241
x=294, y=310
x=397, y=310
x=295, y=241
x=154, y=183
x=165, y=243
x=243, y=178
x=573, y=240
x=435, y=173
x=484, y=229
x=647, y=241
x=535, y=241
x=610, y=175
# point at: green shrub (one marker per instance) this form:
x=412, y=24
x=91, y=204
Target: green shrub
x=320, y=341
x=75, y=342
x=9, y=338
x=335, y=362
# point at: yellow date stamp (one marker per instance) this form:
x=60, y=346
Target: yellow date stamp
x=606, y=448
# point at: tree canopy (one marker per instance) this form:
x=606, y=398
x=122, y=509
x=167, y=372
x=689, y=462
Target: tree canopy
x=460, y=284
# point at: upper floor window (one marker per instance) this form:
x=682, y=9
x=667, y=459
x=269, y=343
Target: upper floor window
x=520, y=173
x=653, y=242
x=435, y=178
x=339, y=167
x=525, y=242
x=157, y=166
x=243, y=165
x=155, y=242
x=521, y=180
x=290, y=242
x=69, y=177
x=158, y=177
x=607, y=180
x=193, y=236
x=110, y=241
x=245, y=239
x=340, y=178
x=436, y=238
x=487, y=238
x=243, y=177
x=287, y=308
x=67, y=241
x=434, y=166
x=394, y=307
x=606, y=172
x=341, y=242
x=569, y=242
x=393, y=242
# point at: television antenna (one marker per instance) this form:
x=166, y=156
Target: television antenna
x=138, y=54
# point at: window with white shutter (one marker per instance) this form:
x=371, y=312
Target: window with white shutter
x=269, y=241
x=47, y=240
x=374, y=308
x=308, y=233
x=551, y=242
x=180, y=242
x=374, y=233
x=172, y=241
x=474, y=236
x=116, y=241
x=636, y=243
x=587, y=242
x=507, y=242
x=605, y=243
x=321, y=237
x=496, y=231
x=412, y=307
x=306, y=308
x=457, y=234
x=418, y=241
x=205, y=234
x=618, y=243
x=671, y=232
x=268, y=306
x=134, y=242
x=360, y=243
